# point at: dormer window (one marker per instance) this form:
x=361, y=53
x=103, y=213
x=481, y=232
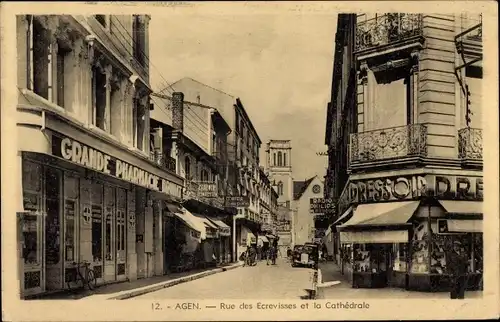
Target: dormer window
x=102, y=20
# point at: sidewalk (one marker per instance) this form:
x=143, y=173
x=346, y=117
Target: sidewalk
x=125, y=290
x=331, y=272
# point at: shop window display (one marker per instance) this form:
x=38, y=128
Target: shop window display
x=32, y=186
x=362, y=260
x=438, y=258
x=53, y=222
x=71, y=186
x=477, y=248
x=400, y=251
x=420, y=249
x=97, y=212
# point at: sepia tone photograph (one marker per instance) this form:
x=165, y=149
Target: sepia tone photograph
x=332, y=157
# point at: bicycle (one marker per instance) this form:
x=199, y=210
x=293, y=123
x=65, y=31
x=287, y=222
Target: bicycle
x=88, y=280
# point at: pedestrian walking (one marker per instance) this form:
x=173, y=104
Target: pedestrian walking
x=269, y=256
x=457, y=265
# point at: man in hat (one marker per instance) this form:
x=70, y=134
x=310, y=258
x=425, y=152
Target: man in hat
x=457, y=265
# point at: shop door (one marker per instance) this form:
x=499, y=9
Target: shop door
x=109, y=234
x=71, y=228
x=53, y=229
x=96, y=195
x=121, y=234
x=31, y=226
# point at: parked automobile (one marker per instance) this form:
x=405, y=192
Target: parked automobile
x=305, y=255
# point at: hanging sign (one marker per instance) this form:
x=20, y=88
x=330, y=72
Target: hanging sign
x=321, y=205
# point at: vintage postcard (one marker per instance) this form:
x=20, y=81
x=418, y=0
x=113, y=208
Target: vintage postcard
x=249, y=160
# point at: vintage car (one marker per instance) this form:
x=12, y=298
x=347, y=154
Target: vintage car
x=305, y=255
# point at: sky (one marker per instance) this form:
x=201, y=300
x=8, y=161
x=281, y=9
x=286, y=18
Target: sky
x=279, y=65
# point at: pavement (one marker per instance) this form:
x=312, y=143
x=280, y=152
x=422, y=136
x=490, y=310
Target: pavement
x=124, y=290
x=330, y=272
x=280, y=281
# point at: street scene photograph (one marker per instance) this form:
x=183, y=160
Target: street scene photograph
x=298, y=156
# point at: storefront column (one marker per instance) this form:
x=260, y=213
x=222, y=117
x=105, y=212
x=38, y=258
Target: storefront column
x=131, y=232
x=158, y=237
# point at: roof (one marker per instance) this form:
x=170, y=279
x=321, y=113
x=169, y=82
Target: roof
x=299, y=187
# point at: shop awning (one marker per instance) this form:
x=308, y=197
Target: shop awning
x=209, y=229
x=264, y=239
x=382, y=214
x=173, y=208
x=465, y=226
x=224, y=230
x=344, y=216
x=328, y=231
x=374, y=237
x=191, y=221
x=462, y=207
x=270, y=237
x=251, y=239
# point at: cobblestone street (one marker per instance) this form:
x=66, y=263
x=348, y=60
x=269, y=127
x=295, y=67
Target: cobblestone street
x=279, y=281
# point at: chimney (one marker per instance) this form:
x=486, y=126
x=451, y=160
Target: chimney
x=178, y=111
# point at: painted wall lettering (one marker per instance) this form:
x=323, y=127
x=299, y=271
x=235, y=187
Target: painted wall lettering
x=99, y=161
x=414, y=187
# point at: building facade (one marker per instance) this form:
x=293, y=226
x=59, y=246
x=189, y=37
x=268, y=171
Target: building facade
x=268, y=209
x=90, y=189
x=405, y=142
x=243, y=145
x=306, y=195
x=279, y=166
x=201, y=164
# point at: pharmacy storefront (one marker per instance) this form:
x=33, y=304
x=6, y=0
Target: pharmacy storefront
x=398, y=231
x=87, y=200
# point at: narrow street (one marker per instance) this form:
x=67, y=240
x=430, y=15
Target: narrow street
x=280, y=281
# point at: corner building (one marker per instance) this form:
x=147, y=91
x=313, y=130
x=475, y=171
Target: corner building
x=90, y=191
x=405, y=148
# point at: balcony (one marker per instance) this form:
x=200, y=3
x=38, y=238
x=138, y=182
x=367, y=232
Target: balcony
x=164, y=161
x=389, y=144
x=469, y=43
x=206, y=192
x=387, y=29
x=470, y=144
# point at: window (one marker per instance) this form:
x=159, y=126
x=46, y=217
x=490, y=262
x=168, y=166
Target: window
x=53, y=221
x=274, y=159
x=204, y=175
x=187, y=168
x=99, y=98
x=40, y=60
x=280, y=159
x=101, y=19
x=284, y=159
x=474, y=82
x=139, y=40
x=391, y=95
x=115, y=101
x=214, y=144
x=62, y=54
x=139, y=125
x=280, y=188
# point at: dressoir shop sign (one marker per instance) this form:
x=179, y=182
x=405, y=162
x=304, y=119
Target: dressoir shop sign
x=99, y=161
x=413, y=187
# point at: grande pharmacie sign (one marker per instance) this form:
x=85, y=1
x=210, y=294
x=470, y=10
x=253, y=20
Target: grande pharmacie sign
x=81, y=154
x=414, y=186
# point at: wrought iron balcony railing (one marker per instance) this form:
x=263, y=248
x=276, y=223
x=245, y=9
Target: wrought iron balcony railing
x=470, y=144
x=164, y=161
x=396, y=142
x=387, y=28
